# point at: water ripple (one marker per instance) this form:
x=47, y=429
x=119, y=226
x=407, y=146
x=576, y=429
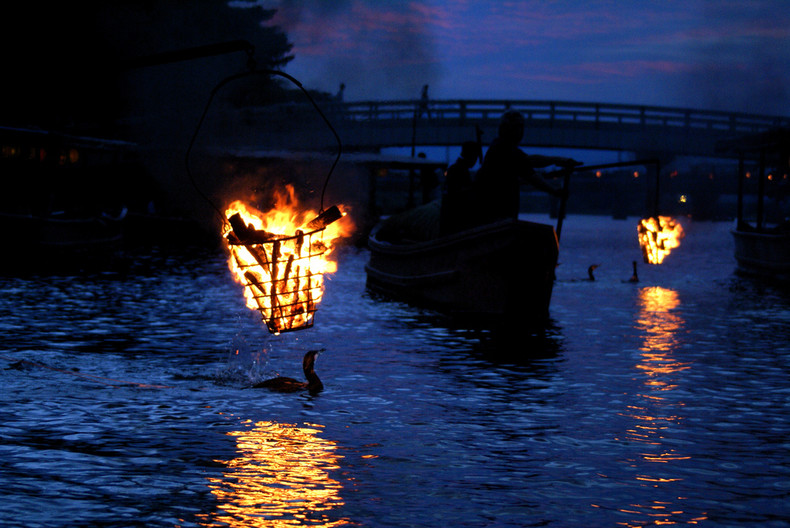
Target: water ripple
x=656, y=403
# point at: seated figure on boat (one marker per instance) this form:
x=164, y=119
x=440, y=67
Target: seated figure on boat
x=437, y=217
x=414, y=225
x=505, y=166
x=493, y=195
x=458, y=193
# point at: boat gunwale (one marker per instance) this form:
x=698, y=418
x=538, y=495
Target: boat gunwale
x=438, y=244
x=394, y=270
x=776, y=269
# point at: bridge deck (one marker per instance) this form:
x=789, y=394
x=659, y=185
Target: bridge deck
x=604, y=126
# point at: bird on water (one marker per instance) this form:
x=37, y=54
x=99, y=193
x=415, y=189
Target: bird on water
x=284, y=384
x=634, y=277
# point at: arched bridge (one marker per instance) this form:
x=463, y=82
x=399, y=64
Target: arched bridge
x=642, y=129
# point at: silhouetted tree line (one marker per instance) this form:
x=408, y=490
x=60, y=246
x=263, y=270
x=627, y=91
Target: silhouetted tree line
x=62, y=59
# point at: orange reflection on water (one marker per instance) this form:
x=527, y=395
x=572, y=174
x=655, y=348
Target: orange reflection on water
x=657, y=319
x=662, y=328
x=281, y=477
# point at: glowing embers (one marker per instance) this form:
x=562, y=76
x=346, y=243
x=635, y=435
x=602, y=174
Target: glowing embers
x=658, y=237
x=280, y=257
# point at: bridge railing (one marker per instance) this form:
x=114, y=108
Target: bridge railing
x=464, y=111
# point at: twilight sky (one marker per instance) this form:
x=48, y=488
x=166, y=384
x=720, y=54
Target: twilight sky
x=708, y=54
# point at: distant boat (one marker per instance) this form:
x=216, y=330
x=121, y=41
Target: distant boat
x=500, y=273
x=762, y=246
x=762, y=253
x=60, y=205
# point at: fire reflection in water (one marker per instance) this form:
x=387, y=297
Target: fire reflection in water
x=662, y=328
x=281, y=477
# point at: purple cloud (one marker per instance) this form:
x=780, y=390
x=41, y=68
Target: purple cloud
x=676, y=52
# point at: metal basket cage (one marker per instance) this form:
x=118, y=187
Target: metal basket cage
x=285, y=288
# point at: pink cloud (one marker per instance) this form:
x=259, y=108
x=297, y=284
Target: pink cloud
x=633, y=68
x=362, y=28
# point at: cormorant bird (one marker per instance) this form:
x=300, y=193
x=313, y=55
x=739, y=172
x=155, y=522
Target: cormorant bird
x=590, y=276
x=634, y=277
x=283, y=384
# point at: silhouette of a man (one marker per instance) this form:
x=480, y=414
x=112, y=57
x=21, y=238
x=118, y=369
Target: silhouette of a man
x=505, y=166
x=424, y=101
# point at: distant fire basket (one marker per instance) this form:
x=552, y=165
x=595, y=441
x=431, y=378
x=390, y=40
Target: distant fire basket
x=658, y=236
x=282, y=274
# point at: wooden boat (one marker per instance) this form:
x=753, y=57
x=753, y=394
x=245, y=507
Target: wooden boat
x=762, y=243
x=497, y=273
x=60, y=205
x=763, y=253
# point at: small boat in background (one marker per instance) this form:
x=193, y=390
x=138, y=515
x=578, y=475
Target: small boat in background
x=763, y=253
x=762, y=242
x=496, y=274
x=63, y=203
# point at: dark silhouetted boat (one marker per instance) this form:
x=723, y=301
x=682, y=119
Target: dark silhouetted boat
x=62, y=200
x=493, y=274
x=762, y=242
x=763, y=253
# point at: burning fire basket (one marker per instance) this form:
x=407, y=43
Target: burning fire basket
x=282, y=274
x=658, y=238
x=281, y=266
x=657, y=235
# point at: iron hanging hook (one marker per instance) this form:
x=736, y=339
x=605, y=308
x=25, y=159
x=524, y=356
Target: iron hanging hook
x=234, y=77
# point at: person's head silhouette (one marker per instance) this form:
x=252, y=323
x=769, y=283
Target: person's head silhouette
x=469, y=152
x=511, y=127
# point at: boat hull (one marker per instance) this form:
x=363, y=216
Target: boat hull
x=491, y=274
x=763, y=254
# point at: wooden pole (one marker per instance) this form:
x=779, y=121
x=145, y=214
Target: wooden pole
x=566, y=181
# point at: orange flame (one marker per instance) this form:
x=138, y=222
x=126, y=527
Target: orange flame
x=282, y=267
x=658, y=238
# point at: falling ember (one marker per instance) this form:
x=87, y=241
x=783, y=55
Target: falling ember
x=658, y=238
x=280, y=257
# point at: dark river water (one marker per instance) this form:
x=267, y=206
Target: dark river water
x=661, y=402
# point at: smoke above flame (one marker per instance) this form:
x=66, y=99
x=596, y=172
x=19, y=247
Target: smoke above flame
x=379, y=50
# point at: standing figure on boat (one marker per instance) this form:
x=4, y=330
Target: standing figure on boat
x=458, y=193
x=505, y=166
x=423, y=108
